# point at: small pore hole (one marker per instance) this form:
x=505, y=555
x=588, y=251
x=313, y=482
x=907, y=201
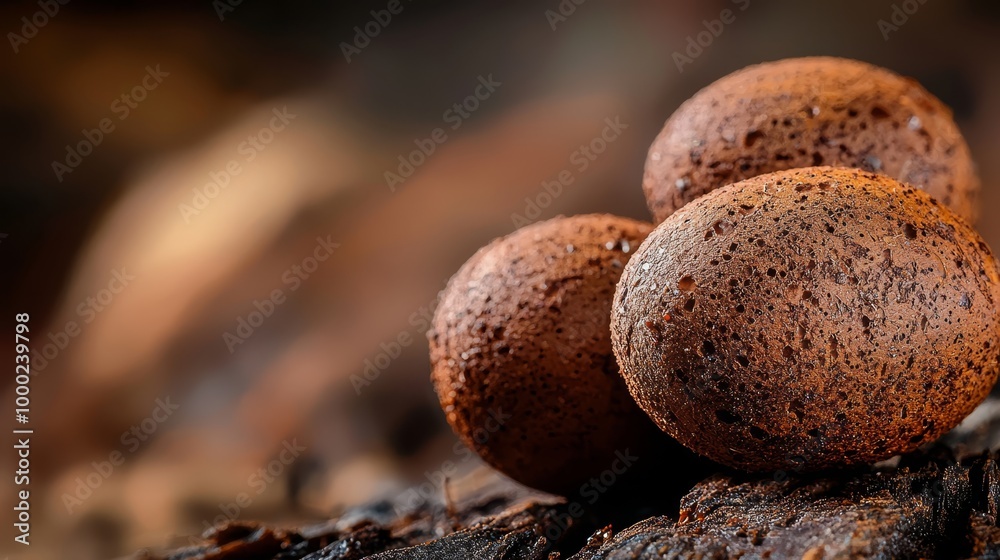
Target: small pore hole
x=686, y=284
x=797, y=408
x=752, y=137
x=727, y=417
x=879, y=113
x=722, y=227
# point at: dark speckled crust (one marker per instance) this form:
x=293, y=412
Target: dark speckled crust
x=522, y=330
x=809, y=318
x=805, y=112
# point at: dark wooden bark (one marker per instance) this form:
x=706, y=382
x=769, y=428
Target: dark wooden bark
x=943, y=502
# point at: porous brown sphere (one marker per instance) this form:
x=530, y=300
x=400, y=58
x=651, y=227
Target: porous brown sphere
x=805, y=112
x=521, y=352
x=809, y=318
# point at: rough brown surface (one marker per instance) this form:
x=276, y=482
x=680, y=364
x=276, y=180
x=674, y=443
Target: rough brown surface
x=806, y=112
x=921, y=512
x=809, y=318
x=511, y=529
x=522, y=534
x=942, y=502
x=521, y=335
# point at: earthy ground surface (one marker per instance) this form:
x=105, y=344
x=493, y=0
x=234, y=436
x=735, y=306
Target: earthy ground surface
x=941, y=502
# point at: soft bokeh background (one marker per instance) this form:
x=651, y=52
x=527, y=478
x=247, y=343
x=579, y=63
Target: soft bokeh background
x=322, y=176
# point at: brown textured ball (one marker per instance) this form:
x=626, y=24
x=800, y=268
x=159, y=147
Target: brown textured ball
x=805, y=112
x=809, y=318
x=522, y=333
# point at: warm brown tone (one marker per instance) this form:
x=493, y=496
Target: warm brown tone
x=522, y=331
x=809, y=318
x=805, y=112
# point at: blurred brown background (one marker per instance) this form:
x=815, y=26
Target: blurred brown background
x=338, y=365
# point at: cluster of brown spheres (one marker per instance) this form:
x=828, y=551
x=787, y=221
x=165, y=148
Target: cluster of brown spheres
x=814, y=295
